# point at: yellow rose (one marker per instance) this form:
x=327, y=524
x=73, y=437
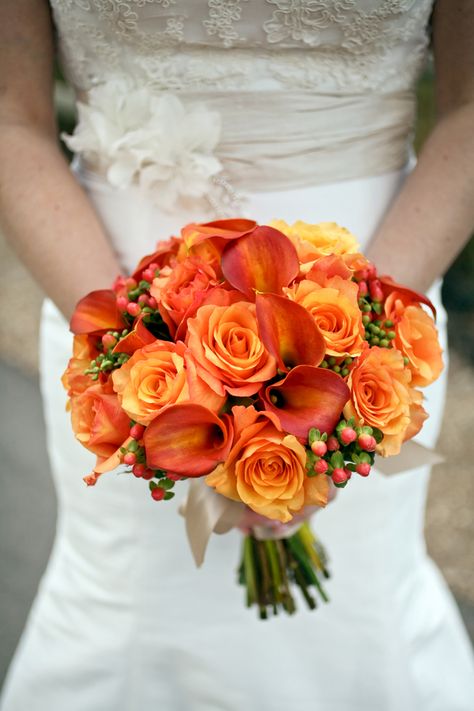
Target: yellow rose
x=315, y=241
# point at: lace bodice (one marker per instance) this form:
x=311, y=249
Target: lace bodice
x=178, y=45
x=208, y=99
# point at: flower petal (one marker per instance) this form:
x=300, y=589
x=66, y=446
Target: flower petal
x=389, y=285
x=187, y=439
x=288, y=331
x=164, y=251
x=231, y=229
x=264, y=260
x=307, y=397
x=327, y=267
x=96, y=312
x=137, y=338
x=106, y=465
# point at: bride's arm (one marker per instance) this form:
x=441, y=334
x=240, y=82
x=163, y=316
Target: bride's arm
x=433, y=216
x=44, y=213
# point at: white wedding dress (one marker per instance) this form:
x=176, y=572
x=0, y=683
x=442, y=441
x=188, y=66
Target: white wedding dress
x=293, y=109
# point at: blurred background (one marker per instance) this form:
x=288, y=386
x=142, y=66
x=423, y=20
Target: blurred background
x=27, y=501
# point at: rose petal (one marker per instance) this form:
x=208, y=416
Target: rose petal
x=307, y=397
x=106, y=465
x=264, y=261
x=187, y=439
x=327, y=267
x=96, y=312
x=164, y=250
x=288, y=331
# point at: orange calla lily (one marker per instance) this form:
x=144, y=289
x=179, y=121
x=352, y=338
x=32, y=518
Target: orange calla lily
x=288, y=331
x=307, y=397
x=188, y=439
x=406, y=294
x=262, y=261
x=137, y=338
x=97, y=312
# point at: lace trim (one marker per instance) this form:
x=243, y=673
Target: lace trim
x=223, y=14
x=328, y=44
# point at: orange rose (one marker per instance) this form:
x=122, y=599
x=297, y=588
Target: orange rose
x=266, y=468
x=417, y=338
x=335, y=311
x=227, y=348
x=98, y=421
x=180, y=291
x=159, y=375
x=73, y=379
x=382, y=397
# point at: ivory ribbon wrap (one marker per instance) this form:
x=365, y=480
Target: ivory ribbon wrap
x=412, y=456
x=206, y=512
x=192, y=144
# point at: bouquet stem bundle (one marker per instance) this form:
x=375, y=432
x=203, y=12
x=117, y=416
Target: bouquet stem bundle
x=270, y=568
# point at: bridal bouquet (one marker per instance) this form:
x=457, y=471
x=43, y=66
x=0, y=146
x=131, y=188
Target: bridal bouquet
x=269, y=362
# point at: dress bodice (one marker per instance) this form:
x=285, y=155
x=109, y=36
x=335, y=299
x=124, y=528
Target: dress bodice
x=257, y=95
x=323, y=45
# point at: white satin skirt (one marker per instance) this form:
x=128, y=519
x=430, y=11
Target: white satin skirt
x=123, y=620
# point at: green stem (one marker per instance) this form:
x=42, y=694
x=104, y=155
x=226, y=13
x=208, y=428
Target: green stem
x=269, y=569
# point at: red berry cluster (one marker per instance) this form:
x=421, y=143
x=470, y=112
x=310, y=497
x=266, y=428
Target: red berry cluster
x=133, y=298
x=107, y=360
x=349, y=449
x=133, y=455
x=378, y=331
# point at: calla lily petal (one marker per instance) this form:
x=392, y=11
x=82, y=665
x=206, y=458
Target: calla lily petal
x=137, y=338
x=195, y=233
x=187, y=439
x=307, y=397
x=389, y=285
x=288, y=331
x=264, y=261
x=96, y=312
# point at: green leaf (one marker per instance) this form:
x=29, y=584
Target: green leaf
x=337, y=460
x=166, y=484
x=377, y=434
x=314, y=435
